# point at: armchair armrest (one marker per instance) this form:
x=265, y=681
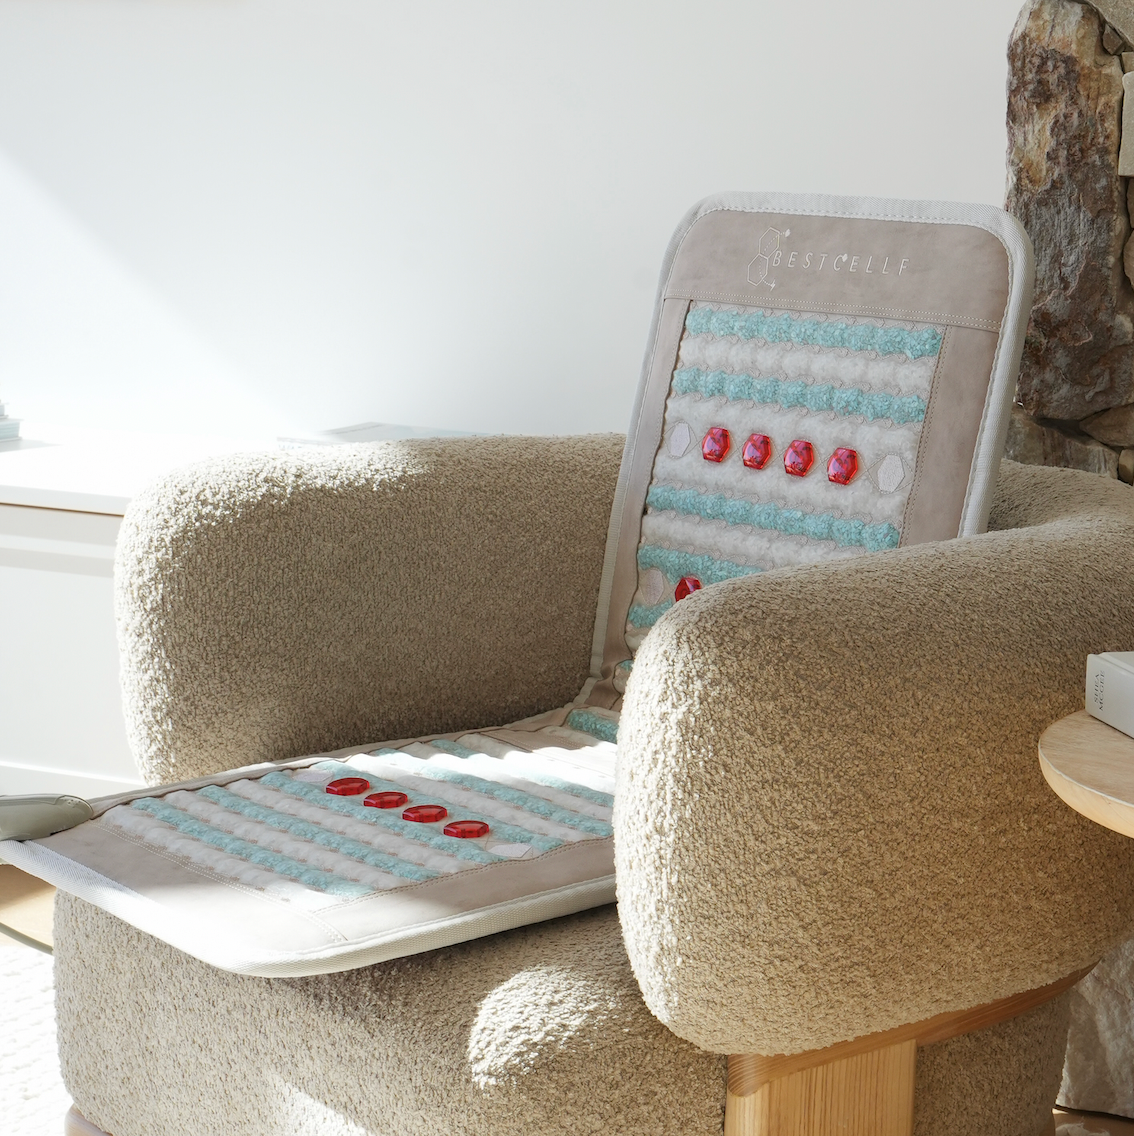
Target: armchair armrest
x=830, y=818
x=271, y=605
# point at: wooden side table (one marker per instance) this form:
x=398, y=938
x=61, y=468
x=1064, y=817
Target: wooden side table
x=1090, y=765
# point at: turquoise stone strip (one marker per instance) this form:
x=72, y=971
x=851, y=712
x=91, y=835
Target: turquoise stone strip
x=245, y=850
x=674, y=564
x=844, y=532
x=355, y=849
x=455, y=748
x=418, y=833
x=540, y=778
x=814, y=333
x=457, y=811
x=847, y=401
x=587, y=722
x=508, y=795
x=642, y=616
x=583, y=792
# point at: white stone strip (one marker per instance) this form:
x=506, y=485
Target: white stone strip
x=482, y=743
x=543, y=761
x=402, y=767
x=491, y=769
x=592, y=754
x=731, y=542
x=895, y=374
x=380, y=839
x=559, y=762
x=287, y=844
x=158, y=834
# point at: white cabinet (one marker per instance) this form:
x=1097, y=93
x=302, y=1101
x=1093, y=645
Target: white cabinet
x=61, y=505
x=60, y=706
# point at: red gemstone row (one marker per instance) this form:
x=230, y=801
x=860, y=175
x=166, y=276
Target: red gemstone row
x=422, y=814
x=798, y=457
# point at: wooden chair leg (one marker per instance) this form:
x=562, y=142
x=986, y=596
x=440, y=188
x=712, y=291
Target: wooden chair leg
x=861, y=1087
x=865, y=1094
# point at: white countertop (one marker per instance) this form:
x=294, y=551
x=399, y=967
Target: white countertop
x=89, y=471
x=99, y=472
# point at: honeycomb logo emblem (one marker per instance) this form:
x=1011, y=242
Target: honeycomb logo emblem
x=760, y=266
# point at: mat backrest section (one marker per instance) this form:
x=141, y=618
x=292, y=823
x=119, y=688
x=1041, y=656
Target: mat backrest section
x=825, y=377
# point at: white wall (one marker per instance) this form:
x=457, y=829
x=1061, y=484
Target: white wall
x=295, y=214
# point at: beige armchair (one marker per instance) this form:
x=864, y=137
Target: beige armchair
x=829, y=820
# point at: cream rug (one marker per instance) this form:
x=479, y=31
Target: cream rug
x=33, y=1100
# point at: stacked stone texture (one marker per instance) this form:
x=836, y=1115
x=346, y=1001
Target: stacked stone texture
x=1075, y=398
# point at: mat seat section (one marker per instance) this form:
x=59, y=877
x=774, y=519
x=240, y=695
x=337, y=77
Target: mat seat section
x=358, y=856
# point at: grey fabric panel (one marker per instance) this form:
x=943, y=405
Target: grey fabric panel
x=278, y=604
x=538, y=1030
x=856, y=832
x=637, y=467
x=949, y=439
x=896, y=267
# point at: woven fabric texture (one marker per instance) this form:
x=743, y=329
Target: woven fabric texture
x=539, y=1030
x=274, y=605
x=287, y=834
x=828, y=780
x=999, y=1081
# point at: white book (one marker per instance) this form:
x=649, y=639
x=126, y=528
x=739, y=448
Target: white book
x=9, y=429
x=1110, y=689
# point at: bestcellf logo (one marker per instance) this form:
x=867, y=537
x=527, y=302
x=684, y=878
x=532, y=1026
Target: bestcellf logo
x=771, y=257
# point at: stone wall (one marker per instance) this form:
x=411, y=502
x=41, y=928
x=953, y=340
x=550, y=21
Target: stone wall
x=1075, y=397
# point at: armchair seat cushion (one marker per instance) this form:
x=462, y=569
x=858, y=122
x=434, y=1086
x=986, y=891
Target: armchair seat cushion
x=537, y=1030
x=541, y=1029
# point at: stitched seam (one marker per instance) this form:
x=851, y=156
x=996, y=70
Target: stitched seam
x=926, y=429
x=751, y=300
x=982, y=429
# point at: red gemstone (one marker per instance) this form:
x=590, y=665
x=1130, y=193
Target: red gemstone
x=686, y=586
x=798, y=458
x=842, y=466
x=385, y=800
x=715, y=446
x=466, y=829
x=348, y=786
x=757, y=450
x=425, y=814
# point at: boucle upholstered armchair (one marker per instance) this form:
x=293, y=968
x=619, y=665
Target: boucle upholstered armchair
x=829, y=818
